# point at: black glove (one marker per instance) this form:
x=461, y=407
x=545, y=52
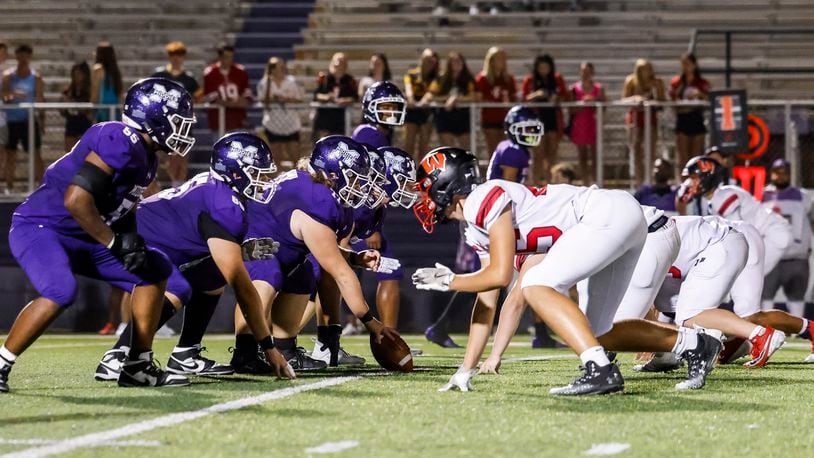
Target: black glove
x=130, y=249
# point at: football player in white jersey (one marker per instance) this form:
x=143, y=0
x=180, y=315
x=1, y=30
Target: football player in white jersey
x=599, y=235
x=794, y=204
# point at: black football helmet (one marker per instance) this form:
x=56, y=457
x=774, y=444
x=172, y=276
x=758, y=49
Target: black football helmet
x=443, y=173
x=702, y=174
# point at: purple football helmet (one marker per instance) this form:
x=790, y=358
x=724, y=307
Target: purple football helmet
x=243, y=161
x=346, y=163
x=401, y=177
x=377, y=177
x=523, y=126
x=384, y=104
x=162, y=109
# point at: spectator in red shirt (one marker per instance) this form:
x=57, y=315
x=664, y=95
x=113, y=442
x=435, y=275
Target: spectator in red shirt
x=545, y=85
x=690, y=129
x=495, y=84
x=336, y=87
x=227, y=83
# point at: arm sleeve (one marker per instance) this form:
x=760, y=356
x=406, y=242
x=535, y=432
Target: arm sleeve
x=208, y=228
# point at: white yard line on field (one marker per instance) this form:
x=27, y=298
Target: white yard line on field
x=73, y=345
x=37, y=441
x=611, y=448
x=332, y=447
x=95, y=439
x=537, y=358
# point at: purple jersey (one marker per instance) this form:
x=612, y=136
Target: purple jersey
x=169, y=219
x=296, y=191
x=509, y=154
x=663, y=198
x=371, y=135
x=122, y=149
x=367, y=221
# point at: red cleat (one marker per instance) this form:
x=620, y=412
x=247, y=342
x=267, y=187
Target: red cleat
x=108, y=330
x=764, y=346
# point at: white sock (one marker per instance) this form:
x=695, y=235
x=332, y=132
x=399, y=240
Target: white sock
x=758, y=331
x=7, y=355
x=595, y=354
x=687, y=340
x=767, y=305
x=805, y=326
x=796, y=308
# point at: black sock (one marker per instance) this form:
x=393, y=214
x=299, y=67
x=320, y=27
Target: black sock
x=245, y=343
x=285, y=344
x=197, y=315
x=126, y=339
x=323, y=333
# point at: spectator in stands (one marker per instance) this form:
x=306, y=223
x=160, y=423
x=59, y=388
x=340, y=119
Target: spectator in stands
x=661, y=194
x=377, y=70
x=22, y=84
x=174, y=70
x=106, y=81
x=77, y=121
x=417, y=126
x=495, y=85
x=335, y=87
x=226, y=83
x=690, y=129
x=641, y=86
x=545, y=85
x=583, y=120
x=282, y=125
x=3, y=126
x=455, y=86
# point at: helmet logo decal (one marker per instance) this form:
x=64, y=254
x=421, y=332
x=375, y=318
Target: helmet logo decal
x=705, y=166
x=161, y=94
x=437, y=161
x=348, y=155
x=247, y=155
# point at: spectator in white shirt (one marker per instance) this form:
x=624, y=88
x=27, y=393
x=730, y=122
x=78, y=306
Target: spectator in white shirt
x=282, y=124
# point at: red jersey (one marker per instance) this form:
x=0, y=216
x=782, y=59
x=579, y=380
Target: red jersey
x=231, y=87
x=502, y=91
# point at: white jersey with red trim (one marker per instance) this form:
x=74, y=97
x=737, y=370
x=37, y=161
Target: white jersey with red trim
x=736, y=204
x=539, y=215
x=697, y=233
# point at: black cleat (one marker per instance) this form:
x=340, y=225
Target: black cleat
x=595, y=380
x=249, y=362
x=142, y=372
x=300, y=361
x=5, y=370
x=188, y=361
x=700, y=361
x=111, y=365
x=661, y=362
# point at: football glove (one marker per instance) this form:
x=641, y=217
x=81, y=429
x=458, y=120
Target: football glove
x=259, y=249
x=460, y=380
x=435, y=278
x=388, y=265
x=130, y=249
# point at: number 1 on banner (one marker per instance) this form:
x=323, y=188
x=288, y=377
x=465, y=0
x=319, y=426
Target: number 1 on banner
x=727, y=118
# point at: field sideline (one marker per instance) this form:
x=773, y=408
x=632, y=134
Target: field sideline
x=56, y=405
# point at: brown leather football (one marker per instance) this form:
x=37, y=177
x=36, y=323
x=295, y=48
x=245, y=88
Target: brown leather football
x=392, y=354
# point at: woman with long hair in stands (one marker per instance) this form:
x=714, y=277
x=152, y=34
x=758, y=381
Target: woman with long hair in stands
x=641, y=86
x=690, y=129
x=495, y=85
x=106, y=80
x=77, y=121
x=377, y=70
x=417, y=81
x=282, y=125
x=455, y=86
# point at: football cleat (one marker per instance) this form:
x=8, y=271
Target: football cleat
x=111, y=365
x=5, y=370
x=595, y=380
x=700, y=362
x=809, y=358
x=764, y=346
x=190, y=362
x=323, y=353
x=300, y=361
x=661, y=362
x=440, y=338
x=165, y=331
x=351, y=329
x=249, y=362
x=735, y=348
x=108, y=330
x=145, y=372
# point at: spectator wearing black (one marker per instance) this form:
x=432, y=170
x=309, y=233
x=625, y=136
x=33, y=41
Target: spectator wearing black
x=377, y=70
x=454, y=87
x=177, y=165
x=545, y=85
x=417, y=81
x=334, y=87
x=77, y=120
x=106, y=81
x=690, y=129
x=22, y=85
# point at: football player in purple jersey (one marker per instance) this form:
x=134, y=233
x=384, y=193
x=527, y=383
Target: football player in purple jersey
x=382, y=108
x=201, y=225
x=80, y=222
x=308, y=214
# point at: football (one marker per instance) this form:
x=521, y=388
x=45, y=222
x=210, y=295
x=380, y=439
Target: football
x=392, y=354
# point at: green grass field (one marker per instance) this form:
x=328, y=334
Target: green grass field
x=741, y=412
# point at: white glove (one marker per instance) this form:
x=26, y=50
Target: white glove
x=259, y=249
x=461, y=380
x=388, y=265
x=435, y=278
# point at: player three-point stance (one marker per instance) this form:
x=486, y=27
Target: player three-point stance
x=587, y=232
x=79, y=222
x=201, y=225
x=308, y=214
x=704, y=178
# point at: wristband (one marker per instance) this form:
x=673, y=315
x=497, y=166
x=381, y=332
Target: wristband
x=366, y=318
x=266, y=343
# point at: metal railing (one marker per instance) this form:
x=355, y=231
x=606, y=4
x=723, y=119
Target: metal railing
x=791, y=120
